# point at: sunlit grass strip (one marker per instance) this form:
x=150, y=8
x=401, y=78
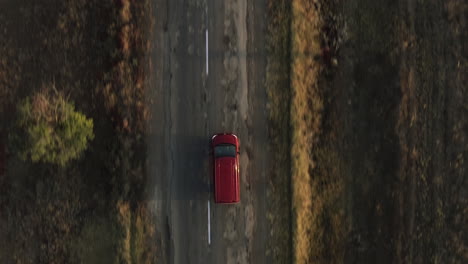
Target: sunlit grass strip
x=306, y=118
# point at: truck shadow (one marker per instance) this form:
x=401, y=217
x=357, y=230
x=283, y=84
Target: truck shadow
x=191, y=173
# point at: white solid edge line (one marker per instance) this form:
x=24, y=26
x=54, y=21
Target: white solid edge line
x=209, y=224
x=206, y=41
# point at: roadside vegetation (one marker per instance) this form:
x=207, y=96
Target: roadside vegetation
x=76, y=192
x=374, y=143
x=308, y=219
x=48, y=129
x=317, y=183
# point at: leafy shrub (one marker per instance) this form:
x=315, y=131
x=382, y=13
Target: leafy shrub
x=50, y=130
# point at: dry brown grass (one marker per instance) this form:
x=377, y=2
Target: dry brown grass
x=125, y=12
x=432, y=109
x=124, y=40
x=306, y=117
x=124, y=91
x=424, y=221
x=319, y=224
x=144, y=235
x=125, y=221
x=139, y=234
x=317, y=214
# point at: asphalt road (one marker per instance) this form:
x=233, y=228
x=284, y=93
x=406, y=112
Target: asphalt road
x=209, y=70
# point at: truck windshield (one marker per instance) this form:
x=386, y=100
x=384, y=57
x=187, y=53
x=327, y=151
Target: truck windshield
x=225, y=150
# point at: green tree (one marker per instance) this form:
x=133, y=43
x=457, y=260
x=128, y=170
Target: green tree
x=50, y=130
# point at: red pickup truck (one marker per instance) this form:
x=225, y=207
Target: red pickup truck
x=226, y=168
